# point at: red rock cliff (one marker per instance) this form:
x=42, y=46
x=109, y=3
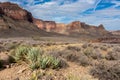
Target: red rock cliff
x=15, y=12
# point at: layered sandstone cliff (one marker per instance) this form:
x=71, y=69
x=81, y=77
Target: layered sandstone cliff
x=15, y=12
x=17, y=22
x=11, y=15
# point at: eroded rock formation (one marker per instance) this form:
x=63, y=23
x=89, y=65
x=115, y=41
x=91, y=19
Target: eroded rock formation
x=76, y=28
x=15, y=12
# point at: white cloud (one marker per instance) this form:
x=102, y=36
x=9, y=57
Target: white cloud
x=71, y=11
x=4, y=0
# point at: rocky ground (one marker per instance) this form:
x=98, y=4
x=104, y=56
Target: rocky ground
x=33, y=49
x=80, y=60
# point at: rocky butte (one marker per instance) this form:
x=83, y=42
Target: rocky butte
x=13, y=19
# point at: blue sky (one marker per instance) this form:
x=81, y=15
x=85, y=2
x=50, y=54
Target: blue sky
x=94, y=12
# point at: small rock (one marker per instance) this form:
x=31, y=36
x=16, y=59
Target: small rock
x=17, y=78
x=5, y=58
x=21, y=71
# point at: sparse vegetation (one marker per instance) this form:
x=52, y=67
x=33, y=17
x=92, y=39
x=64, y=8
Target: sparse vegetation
x=88, y=51
x=36, y=75
x=49, y=57
x=85, y=45
x=113, y=55
x=21, y=53
x=72, y=77
x=49, y=62
x=76, y=48
x=36, y=58
x=84, y=60
x=104, y=48
x=107, y=70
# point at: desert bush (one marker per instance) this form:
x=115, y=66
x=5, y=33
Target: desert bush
x=11, y=46
x=93, y=53
x=107, y=70
x=84, y=60
x=113, y=55
x=88, y=51
x=104, y=48
x=20, y=53
x=76, y=48
x=60, y=55
x=96, y=54
x=69, y=55
x=116, y=49
x=85, y=45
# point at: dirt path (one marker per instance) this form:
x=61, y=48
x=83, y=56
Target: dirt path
x=76, y=72
x=16, y=71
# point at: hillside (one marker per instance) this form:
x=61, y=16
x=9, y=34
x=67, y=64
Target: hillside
x=16, y=22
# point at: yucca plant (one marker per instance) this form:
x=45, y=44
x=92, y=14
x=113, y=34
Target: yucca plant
x=21, y=53
x=44, y=62
x=49, y=62
x=33, y=56
x=55, y=63
x=36, y=58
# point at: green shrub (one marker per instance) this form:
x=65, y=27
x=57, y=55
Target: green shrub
x=21, y=53
x=88, y=51
x=49, y=62
x=33, y=54
x=36, y=58
x=33, y=57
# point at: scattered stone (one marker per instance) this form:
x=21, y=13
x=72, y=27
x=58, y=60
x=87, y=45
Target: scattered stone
x=21, y=71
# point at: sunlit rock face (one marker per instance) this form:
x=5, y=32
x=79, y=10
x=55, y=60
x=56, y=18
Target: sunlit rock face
x=15, y=12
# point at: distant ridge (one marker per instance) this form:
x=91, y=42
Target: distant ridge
x=15, y=21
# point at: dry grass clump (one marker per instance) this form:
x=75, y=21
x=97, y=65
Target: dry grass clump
x=93, y=53
x=69, y=55
x=113, y=55
x=75, y=48
x=104, y=48
x=75, y=56
x=116, y=49
x=84, y=45
x=84, y=60
x=8, y=46
x=107, y=70
x=46, y=75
